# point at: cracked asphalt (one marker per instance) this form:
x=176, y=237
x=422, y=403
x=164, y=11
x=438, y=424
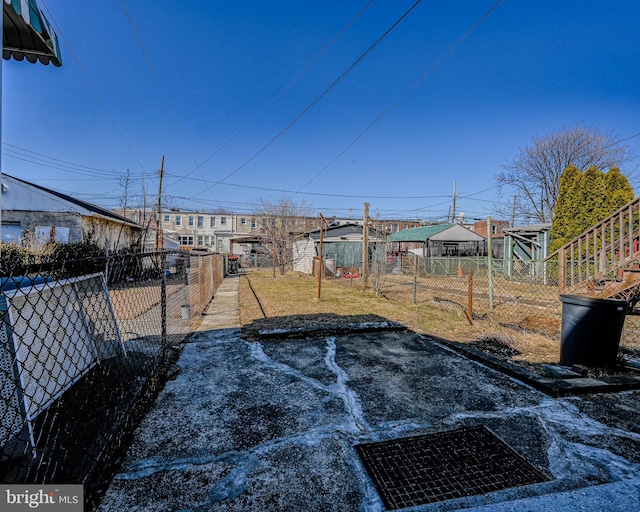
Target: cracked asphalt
x=272, y=425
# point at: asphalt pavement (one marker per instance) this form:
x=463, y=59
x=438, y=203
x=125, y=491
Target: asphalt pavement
x=274, y=425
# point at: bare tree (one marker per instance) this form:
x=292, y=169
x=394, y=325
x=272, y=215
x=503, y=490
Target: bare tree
x=534, y=174
x=282, y=220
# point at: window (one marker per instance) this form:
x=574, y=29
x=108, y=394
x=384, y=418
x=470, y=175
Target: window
x=253, y=224
x=207, y=239
x=167, y=218
x=192, y=220
x=223, y=220
x=132, y=216
x=243, y=221
x=212, y=222
x=178, y=220
x=44, y=234
x=185, y=240
x=200, y=240
x=12, y=233
x=200, y=221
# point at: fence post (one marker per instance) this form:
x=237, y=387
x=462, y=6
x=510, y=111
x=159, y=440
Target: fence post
x=163, y=308
x=562, y=271
x=415, y=276
x=490, y=262
x=470, y=294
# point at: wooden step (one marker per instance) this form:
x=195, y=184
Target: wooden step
x=624, y=289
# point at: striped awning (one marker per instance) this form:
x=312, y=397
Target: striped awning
x=26, y=34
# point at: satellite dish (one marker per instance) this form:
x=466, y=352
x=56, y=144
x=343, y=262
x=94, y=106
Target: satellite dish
x=461, y=217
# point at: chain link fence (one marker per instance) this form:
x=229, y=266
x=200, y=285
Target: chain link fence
x=510, y=298
x=84, y=346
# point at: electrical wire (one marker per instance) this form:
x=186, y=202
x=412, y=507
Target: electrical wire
x=322, y=95
x=164, y=94
x=91, y=85
x=282, y=91
x=403, y=95
x=284, y=191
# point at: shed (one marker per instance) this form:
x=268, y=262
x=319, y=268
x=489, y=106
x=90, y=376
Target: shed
x=340, y=243
x=440, y=240
x=526, y=247
x=528, y=242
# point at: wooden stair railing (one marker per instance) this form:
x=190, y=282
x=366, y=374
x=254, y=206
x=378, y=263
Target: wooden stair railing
x=603, y=261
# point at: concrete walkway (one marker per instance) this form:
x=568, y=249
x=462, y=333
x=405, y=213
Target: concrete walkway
x=224, y=310
x=272, y=426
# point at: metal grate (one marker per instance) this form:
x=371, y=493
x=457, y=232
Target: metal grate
x=437, y=467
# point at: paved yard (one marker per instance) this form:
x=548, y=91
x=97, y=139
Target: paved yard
x=272, y=426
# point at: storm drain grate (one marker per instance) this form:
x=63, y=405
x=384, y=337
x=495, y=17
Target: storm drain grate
x=427, y=469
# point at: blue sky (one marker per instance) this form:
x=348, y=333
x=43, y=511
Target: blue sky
x=528, y=69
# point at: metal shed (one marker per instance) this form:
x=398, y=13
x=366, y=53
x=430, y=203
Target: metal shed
x=440, y=240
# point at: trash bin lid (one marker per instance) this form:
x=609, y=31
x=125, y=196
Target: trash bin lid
x=582, y=300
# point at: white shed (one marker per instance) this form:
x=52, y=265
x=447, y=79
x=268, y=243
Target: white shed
x=343, y=244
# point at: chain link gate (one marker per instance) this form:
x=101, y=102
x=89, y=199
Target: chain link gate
x=84, y=346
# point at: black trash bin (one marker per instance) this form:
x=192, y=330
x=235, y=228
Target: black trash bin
x=591, y=330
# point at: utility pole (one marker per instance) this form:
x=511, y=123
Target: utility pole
x=513, y=213
x=159, y=234
x=453, y=209
x=365, y=245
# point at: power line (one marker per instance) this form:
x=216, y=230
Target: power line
x=93, y=88
x=323, y=94
x=284, y=191
x=404, y=94
x=282, y=91
x=164, y=94
x=12, y=147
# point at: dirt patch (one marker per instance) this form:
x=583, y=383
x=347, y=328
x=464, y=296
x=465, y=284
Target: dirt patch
x=541, y=325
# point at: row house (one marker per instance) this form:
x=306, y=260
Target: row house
x=218, y=231
x=209, y=230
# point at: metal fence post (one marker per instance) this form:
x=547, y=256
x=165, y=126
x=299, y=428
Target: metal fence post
x=415, y=276
x=490, y=262
x=163, y=308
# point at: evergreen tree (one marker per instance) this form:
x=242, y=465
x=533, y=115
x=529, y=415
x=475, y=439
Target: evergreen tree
x=567, y=207
x=619, y=190
x=593, y=201
x=585, y=199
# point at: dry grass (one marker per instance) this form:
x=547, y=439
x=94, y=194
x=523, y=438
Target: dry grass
x=285, y=298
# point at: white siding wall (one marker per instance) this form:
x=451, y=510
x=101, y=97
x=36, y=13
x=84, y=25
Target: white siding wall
x=303, y=253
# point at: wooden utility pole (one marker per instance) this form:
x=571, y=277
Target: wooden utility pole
x=453, y=209
x=320, y=262
x=159, y=234
x=365, y=245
